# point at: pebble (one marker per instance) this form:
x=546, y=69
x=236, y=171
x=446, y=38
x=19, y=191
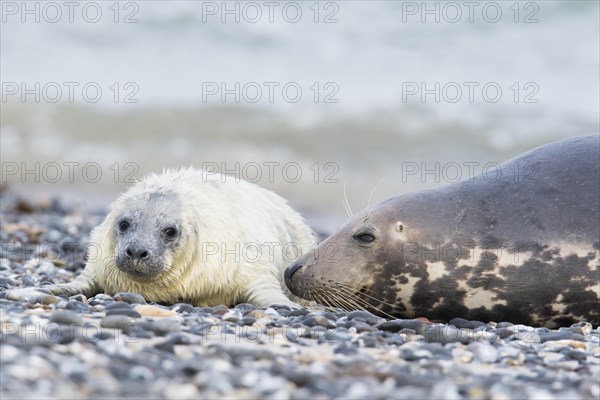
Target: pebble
x=318, y=320
x=27, y=282
x=46, y=268
x=258, y=314
x=122, y=322
x=465, y=324
x=117, y=305
x=162, y=326
x=123, y=311
x=78, y=297
x=46, y=299
x=582, y=328
x=447, y=334
x=153, y=311
x=183, y=308
x=66, y=317
x=131, y=298
x=560, y=335
x=365, y=316
x=528, y=337
x=483, y=352
x=415, y=325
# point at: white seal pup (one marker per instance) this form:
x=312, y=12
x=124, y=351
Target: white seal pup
x=192, y=236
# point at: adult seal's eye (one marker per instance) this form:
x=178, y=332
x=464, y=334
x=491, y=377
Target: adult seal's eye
x=170, y=232
x=123, y=226
x=365, y=237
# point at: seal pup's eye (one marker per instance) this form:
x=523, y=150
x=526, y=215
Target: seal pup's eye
x=123, y=225
x=170, y=232
x=365, y=237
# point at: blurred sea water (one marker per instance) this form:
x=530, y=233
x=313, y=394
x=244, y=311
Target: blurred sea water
x=351, y=91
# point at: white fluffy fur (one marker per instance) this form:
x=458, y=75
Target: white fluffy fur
x=216, y=212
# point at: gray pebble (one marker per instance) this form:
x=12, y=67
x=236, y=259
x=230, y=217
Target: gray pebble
x=447, y=334
x=582, y=328
x=117, y=322
x=103, y=298
x=560, y=335
x=77, y=307
x=462, y=323
x=576, y=355
x=138, y=332
x=27, y=281
x=411, y=354
x=483, y=352
x=117, y=305
x=345, y=348
x=46, y=299
x=66, y=317
x=365, y=316
x=78, y=297
x=318, y=320
x=244, y=307
x=46, y=268
x=131, y=298
x=58, y=334
x=232, y=316
x=184, y=308
x=391, y=326
x=162, y=327
x=527, y=337
x=247, y=321
x=203, y=328
x=360, y=326
x=141, y=373
x=172, y=340
x=281, y=307
x=124, y=311
x=298, y=313
x=503, y=333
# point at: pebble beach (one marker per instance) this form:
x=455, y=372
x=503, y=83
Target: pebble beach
x=123, y=347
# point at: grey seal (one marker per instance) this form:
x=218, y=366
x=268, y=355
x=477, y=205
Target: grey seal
x=192, y=236
x=522, y=247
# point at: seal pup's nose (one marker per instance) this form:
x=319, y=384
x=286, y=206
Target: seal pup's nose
x=290, y=271
x=137, y=253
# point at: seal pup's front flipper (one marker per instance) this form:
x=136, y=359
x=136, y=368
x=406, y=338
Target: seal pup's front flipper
x=84, y=284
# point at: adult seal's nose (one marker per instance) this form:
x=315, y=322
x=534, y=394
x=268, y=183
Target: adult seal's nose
x=137, y=253
x=290, y=271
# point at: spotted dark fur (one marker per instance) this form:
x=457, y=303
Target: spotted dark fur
x=520, y=249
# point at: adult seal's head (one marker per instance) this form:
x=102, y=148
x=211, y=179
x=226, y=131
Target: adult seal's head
x=351, y=269
x=522, y=246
